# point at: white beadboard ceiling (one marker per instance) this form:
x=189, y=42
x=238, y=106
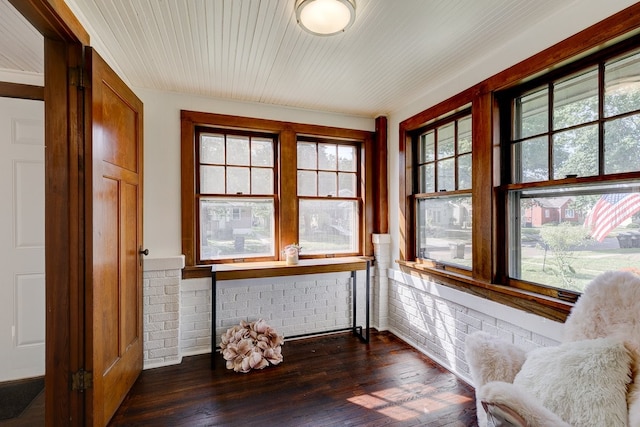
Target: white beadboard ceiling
x=253, y=50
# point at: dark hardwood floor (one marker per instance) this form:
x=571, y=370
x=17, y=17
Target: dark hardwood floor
x=332, y=380
x=33, y=415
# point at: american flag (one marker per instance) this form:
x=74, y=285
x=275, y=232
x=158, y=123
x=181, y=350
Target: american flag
x=610, y=211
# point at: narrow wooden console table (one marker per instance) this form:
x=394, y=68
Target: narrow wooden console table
x=250, y=270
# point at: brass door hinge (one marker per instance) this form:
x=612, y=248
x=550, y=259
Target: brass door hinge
x=81, y=380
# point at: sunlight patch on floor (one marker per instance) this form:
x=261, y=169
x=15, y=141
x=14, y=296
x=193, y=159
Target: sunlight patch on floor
x=408, y=401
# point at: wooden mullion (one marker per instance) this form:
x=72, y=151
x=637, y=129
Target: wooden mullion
x=288, y=213
x=482, y=238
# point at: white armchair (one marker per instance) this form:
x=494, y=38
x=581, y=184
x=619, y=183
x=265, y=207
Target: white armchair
x=590, y=379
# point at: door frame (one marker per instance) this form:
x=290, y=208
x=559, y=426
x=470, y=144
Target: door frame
x=64, y=40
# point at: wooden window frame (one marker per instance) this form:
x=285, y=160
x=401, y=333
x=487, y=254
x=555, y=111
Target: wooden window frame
x=488, y=277
x=286, y=197
x=506, y=107
x=319, y=198
x=417, y=195
x=200, y=195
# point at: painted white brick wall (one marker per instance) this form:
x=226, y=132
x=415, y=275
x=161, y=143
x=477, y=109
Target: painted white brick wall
x=380, y=281
x=437, y=319
x=433, y=318
x=293, y=305
x=177, y=313
x=195, y=316
x=161, y=316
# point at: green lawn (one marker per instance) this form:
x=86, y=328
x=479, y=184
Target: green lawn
x=586, y=265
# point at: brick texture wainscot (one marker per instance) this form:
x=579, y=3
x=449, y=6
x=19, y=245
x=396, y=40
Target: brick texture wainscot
x=161, y=310
x=436, y=319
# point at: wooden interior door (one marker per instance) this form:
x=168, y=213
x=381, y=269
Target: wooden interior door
x=114, y=234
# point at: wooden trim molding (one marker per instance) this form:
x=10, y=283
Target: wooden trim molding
x=531, y=302
x=64, y=38
x=21, y=91
x=252, y=270
x=380, y=188
x=287, y=209
x=53, y=19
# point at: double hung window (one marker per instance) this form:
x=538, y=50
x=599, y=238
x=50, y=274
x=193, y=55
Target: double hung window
x=573, y=155
x=328, y=196
x=251, y=187
x=236, y=194
x=443, y=197
x=554, y=185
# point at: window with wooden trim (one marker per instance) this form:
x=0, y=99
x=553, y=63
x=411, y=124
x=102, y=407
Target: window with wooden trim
x=250, y=187
x=554, y=141
x=573, y=157
x=442, y=182
x=328, y=196
x=236, y=194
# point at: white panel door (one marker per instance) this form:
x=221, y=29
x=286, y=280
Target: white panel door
x=22, y=284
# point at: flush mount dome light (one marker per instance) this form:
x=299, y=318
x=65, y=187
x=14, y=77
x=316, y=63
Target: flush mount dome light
x=325, y=17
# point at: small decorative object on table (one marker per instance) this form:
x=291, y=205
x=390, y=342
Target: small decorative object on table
x=251, y=345
x=291, y=253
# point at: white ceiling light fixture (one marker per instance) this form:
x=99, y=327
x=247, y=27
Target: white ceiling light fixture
x=325, y=17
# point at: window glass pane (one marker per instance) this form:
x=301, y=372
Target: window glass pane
x=575, y=100
x=261, y=152
x=346, y=158
x=261, y=181
x=212, y=179
x=307, y=158
x=444, y=230
x=328, y=226
x=534, y=159
x=532, y=114
x=622, y=85
x=564, y=239
x=427, y=178
x=307, y=182
x=212, y=149
x=575, y=152
x=236, y=228
x=446, y=178
x=427, y=148
x=464, y=135
x=238, y=180
x=347, y=185
x=327, y=156
x=464, y=172
x=622, y=145
x=327, y=184
x=237, y=150
x=446, y=141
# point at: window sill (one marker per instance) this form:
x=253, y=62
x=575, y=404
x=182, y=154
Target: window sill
x=541, y=305
x=249, y=270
